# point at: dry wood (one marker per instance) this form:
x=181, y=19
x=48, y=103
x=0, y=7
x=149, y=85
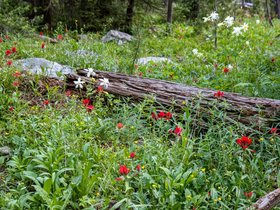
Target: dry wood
x=269, y=201
x=248, y=110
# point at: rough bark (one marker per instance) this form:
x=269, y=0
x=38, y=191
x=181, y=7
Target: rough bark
x=268, y=201
x=247, y=110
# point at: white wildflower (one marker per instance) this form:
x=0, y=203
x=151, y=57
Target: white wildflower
x=214, y=16
x=230, y=67
x=258, y=21
x=245, y=27
x=220, y=24
x=79, y=83
x=229, y=21
x=205, y=19
x=195, y=51
x=104, y=82
x=237, y=30
x=247, y=43
x=90, y=72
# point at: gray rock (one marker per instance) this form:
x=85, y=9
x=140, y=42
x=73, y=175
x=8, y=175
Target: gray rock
x=43, y=66
x=119, y=37
x=81, y=53
x=5, y=150
x=144, y=61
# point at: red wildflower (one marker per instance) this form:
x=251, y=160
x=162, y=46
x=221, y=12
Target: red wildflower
x=7, y=37
x=99, y=89
x=161, y=114
x=178, y=131
x=15, y=83
x=273, y=130
x=41, y=33
x=138, y=167
x=219, y=94
x=226, y=70
x=17, y=74
x=168, y=115
x=132, y=155
x=43, y=46
x=90, y=108
x=59, y=37
x=14, y=49
x=154, y=116
x=9, y=62
x=119, y=125
x=11, y=108
x=1, y=40
x=46, y=102
x=123, y=170
x=68, y=93
x=8, y=52
x=248, y=194
x=118, y=179
x=140, y=74
x=244, y=142
x=86, y=102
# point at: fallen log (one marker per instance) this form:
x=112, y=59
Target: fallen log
x=268, y=201
x=247, y=110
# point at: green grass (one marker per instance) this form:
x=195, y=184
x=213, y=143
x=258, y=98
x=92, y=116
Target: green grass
x=67, y=158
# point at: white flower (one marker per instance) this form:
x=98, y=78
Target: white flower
x=199, y=55
x=104, y=82
x=90, y=72
x=220, y=24
x=258, y=21
x=214, y=16
x=79, y=83
x=229, y=21
x=237, y=30
x=195, y=51
x=230, y=67
x=245, y=27
x=247, y=43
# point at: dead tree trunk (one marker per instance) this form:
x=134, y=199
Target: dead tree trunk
x=247, y=110
x=268, y=201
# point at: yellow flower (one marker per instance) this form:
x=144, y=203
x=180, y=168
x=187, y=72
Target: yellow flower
x=143, y=167
x=97, y=194
x=203, y=169
x=261, y=139
x=220, y=198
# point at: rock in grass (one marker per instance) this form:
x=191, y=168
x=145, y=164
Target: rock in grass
x=146, y=60
x=45, y=67
x=5, y=150
x=119, y=37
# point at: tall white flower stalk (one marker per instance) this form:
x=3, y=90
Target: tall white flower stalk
x=213, y=17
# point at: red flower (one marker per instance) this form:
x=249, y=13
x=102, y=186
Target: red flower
x=1, y=40
x=15, y=83
x=119, y=125
x=68, y=93
x=273, y=130
x=86, y=102
x=90, y=108
x=132, y=155
x=8, y=52
x=226, y=70
x=248, y=194
x=11, y=108
x=219, y=94
x=123, y=170
x=178, y=131
x=9, y=62
x=244, y=142
x=17, y=74
x=99, y=89
x=59, y=36
x=138, y=167
x=7, y=37
x=118, y=179
x=161, y=114
x=14, y=49
x=168, y=115
x=41, y=33
x=43, y=46
x=154, y=116
x=46, y=102
x=140, y=74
